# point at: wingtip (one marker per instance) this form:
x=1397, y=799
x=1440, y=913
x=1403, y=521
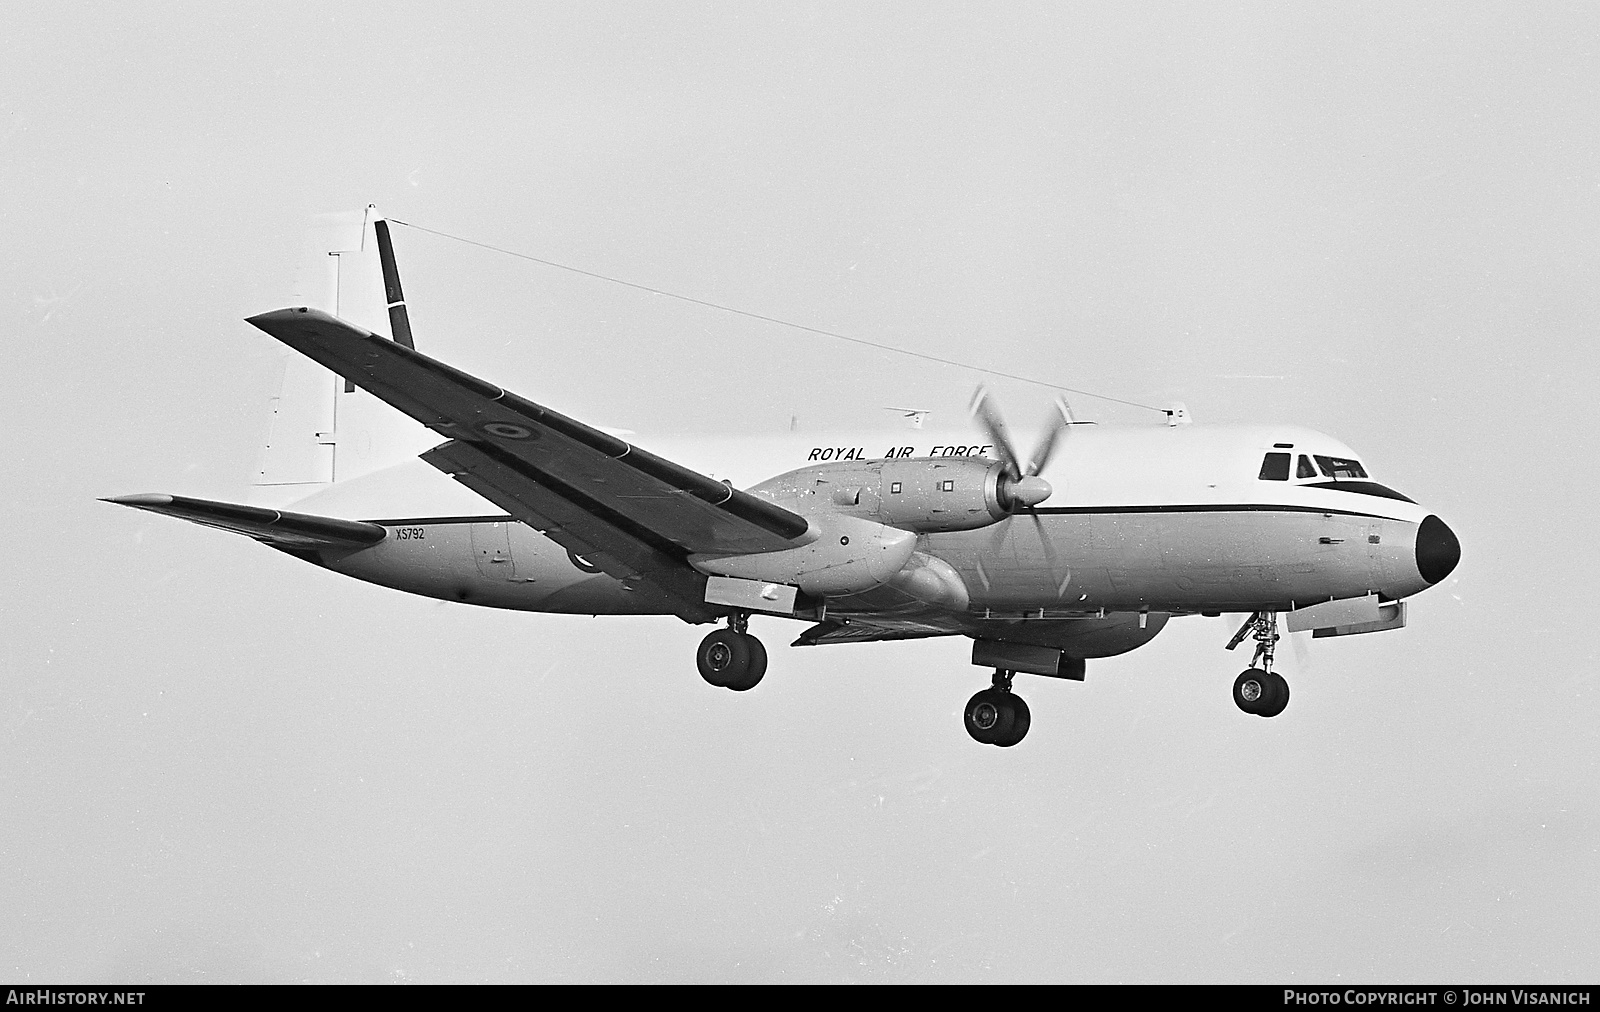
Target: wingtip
x=293, y=319
x=265, y=320
x=141, y=499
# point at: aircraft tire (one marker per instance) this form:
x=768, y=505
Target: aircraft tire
x=1275, y=702
x=988, y=716
x=1021, y=718
x=756, y=667
x=1252, y=689
x=724, y=657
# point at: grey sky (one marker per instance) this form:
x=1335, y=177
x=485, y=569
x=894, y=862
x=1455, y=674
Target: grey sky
x=221, y=764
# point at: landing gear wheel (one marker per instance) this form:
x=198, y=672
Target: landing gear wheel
x=997, y=717
x=989, y=717
x=1252, y=690
x=723, y=657
x=1277, y=699
x=731, y=660
x=1021, y=718
x=756, y=668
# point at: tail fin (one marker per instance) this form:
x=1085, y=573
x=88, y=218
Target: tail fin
x=321, y=429
x=399, y=320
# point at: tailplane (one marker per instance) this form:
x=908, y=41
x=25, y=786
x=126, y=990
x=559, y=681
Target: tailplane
x=290, y=532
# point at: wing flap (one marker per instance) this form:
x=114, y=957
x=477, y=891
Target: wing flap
x=620, y=549
x=289, y=531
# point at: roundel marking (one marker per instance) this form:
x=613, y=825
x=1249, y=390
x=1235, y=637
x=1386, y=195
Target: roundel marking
x=582, y=563
x=505, y=430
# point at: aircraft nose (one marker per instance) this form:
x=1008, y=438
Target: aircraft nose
x=1438, y=551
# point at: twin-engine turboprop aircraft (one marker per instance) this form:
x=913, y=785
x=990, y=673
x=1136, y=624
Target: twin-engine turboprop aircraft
x=1083, y=549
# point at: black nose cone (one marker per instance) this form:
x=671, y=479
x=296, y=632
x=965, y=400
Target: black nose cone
x=1438, y=551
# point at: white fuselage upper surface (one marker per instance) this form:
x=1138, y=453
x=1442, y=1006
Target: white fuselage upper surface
x=1165, y=518
x=1097, y=465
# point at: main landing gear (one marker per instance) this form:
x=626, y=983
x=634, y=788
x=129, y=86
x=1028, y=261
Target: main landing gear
x=731, y=658
x=1259, y=689
x=998, y=716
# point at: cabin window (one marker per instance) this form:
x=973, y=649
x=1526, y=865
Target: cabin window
x=948, y=486
x=1275, y=467
x=894, y=488
x=1304, y=468
x=1341, y=467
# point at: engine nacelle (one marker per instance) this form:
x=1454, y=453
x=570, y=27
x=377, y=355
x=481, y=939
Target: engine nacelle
x=848, y=556
x=926, y=495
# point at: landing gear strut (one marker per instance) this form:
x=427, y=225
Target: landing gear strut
x=731, y=658
x=998, y=716
x=1259, y=689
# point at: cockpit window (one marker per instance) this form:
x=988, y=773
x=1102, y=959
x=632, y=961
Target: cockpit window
x=1341, y=467
x=1275, y=467
x=1304, y=468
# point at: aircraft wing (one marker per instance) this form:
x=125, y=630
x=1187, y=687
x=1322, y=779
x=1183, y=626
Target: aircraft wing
x=292, y=532
x=619, y=548
x=634, y=515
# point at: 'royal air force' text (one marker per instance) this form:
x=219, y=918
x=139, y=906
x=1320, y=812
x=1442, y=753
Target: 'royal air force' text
x=896, y=452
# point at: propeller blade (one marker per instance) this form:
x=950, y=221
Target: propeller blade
x=1047, y=445
x=1021, y=489
x=1302, y=651
x=1062, y=575
x=995, y=429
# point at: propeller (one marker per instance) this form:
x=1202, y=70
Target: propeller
x=1020, y=488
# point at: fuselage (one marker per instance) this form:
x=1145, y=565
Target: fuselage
x=387, y=465
x=1159, y=519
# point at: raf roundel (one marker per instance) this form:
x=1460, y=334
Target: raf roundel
x=505, y=430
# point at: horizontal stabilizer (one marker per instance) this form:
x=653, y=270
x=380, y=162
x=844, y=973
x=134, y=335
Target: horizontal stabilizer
x=289, y=531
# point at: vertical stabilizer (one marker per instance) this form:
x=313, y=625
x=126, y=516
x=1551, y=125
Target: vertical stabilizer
x=399, y=319
x=321, y=429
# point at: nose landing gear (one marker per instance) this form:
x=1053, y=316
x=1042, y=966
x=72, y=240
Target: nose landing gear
x=997, y=716
x=731, y=658
x=1259, y=689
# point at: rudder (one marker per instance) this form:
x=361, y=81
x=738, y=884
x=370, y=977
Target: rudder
x=320, y=429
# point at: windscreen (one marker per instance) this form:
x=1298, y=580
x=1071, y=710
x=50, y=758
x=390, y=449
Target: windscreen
x=1341, y=467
